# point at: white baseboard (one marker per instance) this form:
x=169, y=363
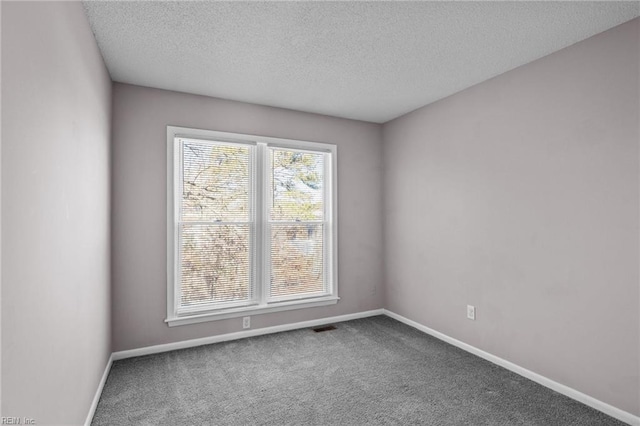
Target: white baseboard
x=240, y=335
x=544, y=381
x=96, y=398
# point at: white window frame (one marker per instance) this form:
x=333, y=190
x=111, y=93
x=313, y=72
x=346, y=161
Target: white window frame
x=260, y=267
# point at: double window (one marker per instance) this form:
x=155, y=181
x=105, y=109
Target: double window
x=251, y=225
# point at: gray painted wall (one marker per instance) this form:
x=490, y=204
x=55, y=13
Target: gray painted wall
x=139, y=207
x=56, y=114
x=520, y=196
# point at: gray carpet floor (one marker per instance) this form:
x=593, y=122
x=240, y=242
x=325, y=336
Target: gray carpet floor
x=373, y=371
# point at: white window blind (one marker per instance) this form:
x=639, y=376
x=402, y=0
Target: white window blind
x=215, y=225
x=251, y=225
x=296, y=223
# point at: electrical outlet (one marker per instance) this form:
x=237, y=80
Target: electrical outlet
x=246, y=322
x=471, y=312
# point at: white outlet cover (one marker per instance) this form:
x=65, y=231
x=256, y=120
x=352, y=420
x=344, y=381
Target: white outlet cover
x=471, y=312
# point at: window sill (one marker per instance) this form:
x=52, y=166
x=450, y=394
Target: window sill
x=251, y=310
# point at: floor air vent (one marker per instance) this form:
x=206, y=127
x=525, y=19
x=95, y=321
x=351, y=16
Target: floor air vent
x=325, y=328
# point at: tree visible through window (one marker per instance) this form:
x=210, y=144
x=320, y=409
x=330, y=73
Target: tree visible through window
x=297, y=212
x=253, y=224
x=215, y=241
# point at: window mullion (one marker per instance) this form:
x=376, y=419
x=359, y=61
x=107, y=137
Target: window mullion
x=266, y=211
x=261, y=184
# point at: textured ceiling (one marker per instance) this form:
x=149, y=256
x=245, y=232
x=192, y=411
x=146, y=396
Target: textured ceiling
x=370, y=61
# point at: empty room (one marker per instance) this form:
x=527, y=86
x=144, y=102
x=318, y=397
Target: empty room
x=320, y=213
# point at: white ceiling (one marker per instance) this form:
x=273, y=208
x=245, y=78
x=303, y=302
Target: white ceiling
x=371, y=61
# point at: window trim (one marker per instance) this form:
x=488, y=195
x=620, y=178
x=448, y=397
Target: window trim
x=261, y=226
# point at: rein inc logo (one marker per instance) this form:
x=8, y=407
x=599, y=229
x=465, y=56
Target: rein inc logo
x=17, y=421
